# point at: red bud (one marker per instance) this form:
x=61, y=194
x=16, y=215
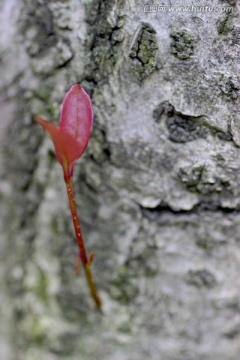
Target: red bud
x=77, y=116
x=71, y=138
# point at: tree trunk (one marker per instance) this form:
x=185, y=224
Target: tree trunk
x=157, y=189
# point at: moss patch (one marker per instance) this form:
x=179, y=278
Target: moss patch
x=182, y=45
x=143, y=52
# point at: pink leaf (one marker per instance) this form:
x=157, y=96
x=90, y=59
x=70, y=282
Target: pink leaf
x=71, y=138
x=77, y=116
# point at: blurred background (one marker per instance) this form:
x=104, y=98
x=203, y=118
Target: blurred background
x=157, y=189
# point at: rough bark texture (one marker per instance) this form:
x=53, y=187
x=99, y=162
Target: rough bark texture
x=158, y=189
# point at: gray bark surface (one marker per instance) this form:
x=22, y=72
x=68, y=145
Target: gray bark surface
x=158, y=189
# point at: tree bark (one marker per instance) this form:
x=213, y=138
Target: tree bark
x=157, y=190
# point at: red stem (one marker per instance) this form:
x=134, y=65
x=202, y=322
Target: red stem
x=82, y=251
